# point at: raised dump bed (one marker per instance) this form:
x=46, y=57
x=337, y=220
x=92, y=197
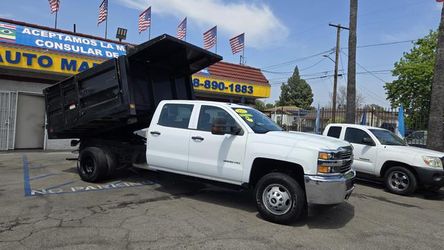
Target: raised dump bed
x=120, y=95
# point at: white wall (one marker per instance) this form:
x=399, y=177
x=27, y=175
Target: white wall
x=33, y=87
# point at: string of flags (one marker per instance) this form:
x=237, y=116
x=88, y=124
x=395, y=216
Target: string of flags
x=237, y=43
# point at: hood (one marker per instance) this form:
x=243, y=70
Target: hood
x=305, y=140
x=409, y=150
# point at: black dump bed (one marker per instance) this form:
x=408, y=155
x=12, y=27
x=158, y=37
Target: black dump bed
x=120, y=95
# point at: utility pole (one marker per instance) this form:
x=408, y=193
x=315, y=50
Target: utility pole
x=435, y=139
x=350, y=111
x=335, y=82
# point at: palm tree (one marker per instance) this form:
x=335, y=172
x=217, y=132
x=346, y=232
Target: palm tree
x=436, y=116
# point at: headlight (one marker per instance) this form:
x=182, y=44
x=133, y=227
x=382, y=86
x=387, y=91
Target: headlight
x=333, y=161
x=432, y=161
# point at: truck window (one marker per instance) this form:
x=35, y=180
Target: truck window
x=208, y=114
x=354, y=135
x=334, y=131
x=176, y=115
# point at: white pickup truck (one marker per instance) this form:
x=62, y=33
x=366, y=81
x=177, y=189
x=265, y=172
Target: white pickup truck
x=239, y=145
x=382, y=154
x=151, y=88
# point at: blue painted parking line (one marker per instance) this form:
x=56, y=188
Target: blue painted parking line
x=67, y=187
x=34, y=166
x=60, y=185
x=41, y=176
x=26, y=183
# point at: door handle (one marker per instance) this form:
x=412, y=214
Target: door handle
x=197, y=138
x=155, y=133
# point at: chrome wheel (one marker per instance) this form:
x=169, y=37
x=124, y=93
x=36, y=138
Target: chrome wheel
x=399, y=181
x=277, y=199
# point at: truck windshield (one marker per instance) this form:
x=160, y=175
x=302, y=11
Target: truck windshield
x=388, y=138
x=257, y=121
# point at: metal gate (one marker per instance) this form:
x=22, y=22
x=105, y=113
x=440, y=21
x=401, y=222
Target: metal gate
x=8, y=107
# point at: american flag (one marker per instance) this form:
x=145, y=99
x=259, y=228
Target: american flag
x=103, y=12
x=145, y=20
x=237, y=43
x=210, y=38
x=54, y=5
x=440, y=1
x=182, y=29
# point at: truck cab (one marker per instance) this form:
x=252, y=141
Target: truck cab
x=381, y=154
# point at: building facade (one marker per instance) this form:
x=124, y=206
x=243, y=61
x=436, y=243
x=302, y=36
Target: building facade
x=33, y=57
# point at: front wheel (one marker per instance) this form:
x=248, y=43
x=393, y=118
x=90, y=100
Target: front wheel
x=279, y=198
x=400, y=180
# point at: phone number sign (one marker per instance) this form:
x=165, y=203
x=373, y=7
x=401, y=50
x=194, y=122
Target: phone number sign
x=210, y=84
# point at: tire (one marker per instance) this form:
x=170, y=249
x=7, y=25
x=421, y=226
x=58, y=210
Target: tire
x=92, y=165
x=112, y=163
x=279, y=198
x=400, y=180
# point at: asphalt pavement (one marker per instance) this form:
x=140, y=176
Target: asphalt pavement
x=45, y=205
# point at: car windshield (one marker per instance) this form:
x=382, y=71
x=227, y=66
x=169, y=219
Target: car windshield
x=388, y=138
x=257, y=121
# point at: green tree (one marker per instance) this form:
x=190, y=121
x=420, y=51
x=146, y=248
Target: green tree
x=259, y=105
x=269, y=105
x=296, y=92
x=413, y=87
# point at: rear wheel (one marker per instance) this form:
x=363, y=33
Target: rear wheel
x=92, y=165
x=400, y=180
x=279, y=198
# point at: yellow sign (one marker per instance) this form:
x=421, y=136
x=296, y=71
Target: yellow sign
x=210, y=84
x=44, y=60
x=25, y=58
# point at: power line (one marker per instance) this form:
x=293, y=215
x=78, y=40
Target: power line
x=298, y=59
x=383, y=44
x=371, y=73
x=331, y=51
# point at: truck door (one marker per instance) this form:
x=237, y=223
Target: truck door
x=364, y=150
x=168, y=140
x=216, y=156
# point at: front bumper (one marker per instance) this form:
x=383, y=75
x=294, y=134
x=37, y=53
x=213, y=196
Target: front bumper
x=430, y=176
x=329, y=190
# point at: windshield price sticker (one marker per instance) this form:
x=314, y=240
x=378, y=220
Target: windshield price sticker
x=241, y=111
x=244, y=114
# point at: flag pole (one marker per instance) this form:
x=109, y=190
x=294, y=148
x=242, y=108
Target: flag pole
x=243, y=52
x=55, y=23
x=106, y=24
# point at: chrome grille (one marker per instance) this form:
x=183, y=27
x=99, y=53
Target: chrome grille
x=346, y=153
x=346, y=167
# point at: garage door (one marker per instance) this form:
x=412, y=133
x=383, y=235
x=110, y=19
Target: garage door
x=30, y=121
x=8, y=102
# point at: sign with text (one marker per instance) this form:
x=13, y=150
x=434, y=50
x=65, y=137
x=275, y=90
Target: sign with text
x=23, y=35
x=45, y=61
x=212, y=84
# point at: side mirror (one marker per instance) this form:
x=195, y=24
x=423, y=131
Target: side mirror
x=220, y=127
x=368, y=141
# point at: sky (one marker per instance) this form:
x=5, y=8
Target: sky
x=279, y=34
